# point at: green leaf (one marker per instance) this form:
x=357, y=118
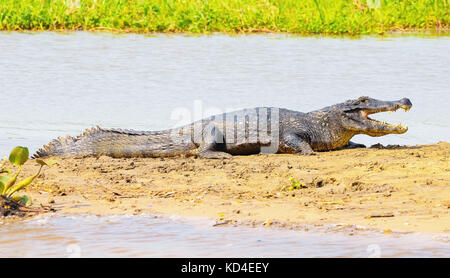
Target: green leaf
x=26, y=201
x=4, y=180
x=17, y=198
x=10, y=182
x=5, y=171
x=23, y=200
x=2, y=184
x=49, y=162
x=19, y=156
x=21, y=185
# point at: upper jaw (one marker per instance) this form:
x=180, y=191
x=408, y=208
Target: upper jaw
x=383, y=127
x=394, y=107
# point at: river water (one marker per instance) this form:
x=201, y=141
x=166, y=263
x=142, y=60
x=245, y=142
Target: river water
x=54, y=84
x=152, y=236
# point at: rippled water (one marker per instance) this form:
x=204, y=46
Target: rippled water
x=151, y=236
x=53, y=84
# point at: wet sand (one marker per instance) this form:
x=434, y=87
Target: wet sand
x=389, y=189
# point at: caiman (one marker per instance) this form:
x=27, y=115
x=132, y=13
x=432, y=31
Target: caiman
x=243, y=132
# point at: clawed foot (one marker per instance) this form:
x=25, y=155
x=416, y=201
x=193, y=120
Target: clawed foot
x=352, y=145
x=215, y=155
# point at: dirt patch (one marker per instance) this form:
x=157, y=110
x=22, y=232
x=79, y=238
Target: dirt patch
x=10, y=208
x=406, y=188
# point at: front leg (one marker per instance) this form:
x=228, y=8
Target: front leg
x=209, y=151
x=293, y=143
x=208, y=145
x=351, y=145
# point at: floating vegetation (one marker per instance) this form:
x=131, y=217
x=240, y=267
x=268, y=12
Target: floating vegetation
x=352, y=17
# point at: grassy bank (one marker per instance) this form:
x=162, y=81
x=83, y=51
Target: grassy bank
x=204, y=16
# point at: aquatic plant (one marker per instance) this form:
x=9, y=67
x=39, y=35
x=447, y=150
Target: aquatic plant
x=18, y=157
x=205, y=16
x=2, y=166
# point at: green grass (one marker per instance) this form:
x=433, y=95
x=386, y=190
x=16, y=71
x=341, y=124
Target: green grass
x=204, y=16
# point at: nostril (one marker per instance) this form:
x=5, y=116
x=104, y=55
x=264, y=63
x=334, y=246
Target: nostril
x=406, y=101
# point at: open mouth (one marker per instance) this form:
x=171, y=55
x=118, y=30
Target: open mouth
x=365, y=114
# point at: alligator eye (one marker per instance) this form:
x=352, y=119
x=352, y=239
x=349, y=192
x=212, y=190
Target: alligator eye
x=363, y=99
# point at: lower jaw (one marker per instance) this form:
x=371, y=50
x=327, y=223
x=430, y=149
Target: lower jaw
x=390, y=129
x=377, y=134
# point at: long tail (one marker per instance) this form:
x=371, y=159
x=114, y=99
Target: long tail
x=98, y=141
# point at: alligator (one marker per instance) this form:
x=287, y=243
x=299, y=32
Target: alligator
x=243, y=132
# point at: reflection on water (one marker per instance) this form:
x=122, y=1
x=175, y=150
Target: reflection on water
x=151, y=236
x=65, y=83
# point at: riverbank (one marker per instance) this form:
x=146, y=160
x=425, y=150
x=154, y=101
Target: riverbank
x=229, y=16
x=390, y=189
